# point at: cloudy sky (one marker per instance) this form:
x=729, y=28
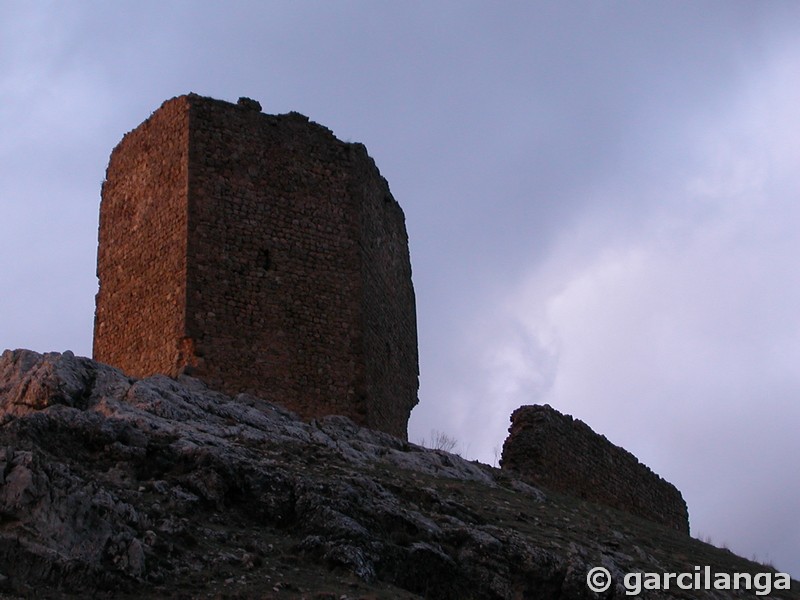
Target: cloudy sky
x=601, y=199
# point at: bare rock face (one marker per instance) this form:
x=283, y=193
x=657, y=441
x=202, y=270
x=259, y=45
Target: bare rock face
x=154, y=488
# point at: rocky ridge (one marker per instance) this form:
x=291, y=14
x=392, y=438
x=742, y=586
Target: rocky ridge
x=154, y=488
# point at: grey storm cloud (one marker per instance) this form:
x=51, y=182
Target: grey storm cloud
x=601, y=201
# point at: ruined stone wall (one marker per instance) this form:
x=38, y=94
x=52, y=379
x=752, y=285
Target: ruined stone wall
x=564, y=454
x=297, y=269
x=141, y=257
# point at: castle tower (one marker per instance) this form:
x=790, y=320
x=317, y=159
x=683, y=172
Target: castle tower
x=262, y=255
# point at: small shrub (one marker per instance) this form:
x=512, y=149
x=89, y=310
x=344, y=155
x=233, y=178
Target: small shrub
x=440, y=441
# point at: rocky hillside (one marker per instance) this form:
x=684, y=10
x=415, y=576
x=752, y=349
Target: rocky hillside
x=161, y=488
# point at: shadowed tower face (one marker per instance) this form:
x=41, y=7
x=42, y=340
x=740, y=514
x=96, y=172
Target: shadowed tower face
x=262, y=255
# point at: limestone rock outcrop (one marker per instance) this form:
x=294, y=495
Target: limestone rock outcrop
x=115, y=487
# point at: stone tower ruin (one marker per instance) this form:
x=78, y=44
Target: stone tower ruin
x=261, y=254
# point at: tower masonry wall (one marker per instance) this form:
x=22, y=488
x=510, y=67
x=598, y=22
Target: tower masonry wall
x=389, y=332
x=563, y=454
x=141, y=255
x=296, y=269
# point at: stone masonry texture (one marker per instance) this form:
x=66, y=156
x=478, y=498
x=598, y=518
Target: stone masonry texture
x=563, y=454
x=262, y=255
